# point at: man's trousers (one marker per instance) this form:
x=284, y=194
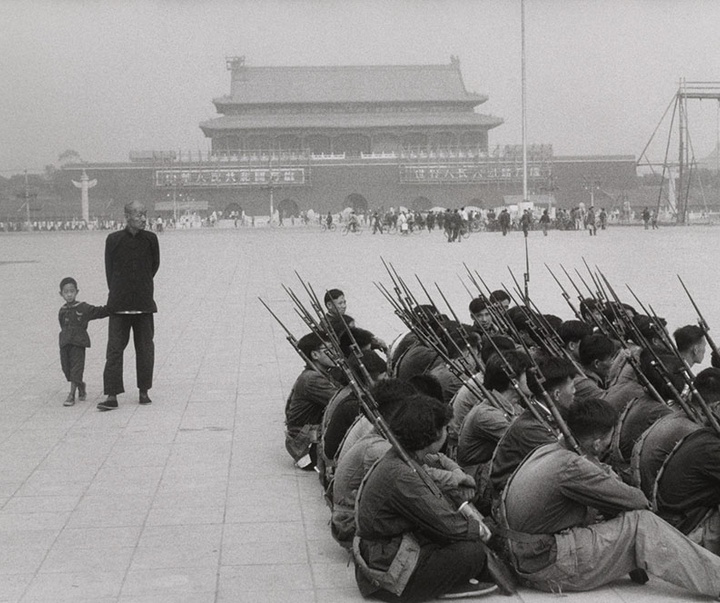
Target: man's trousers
x=143, y=329
x=593, y=556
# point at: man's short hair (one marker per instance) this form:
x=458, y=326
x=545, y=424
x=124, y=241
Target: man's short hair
x=459, y=340
x=688, y=336
x=417, y=422
x=555, y=370
x=332, y=295
x=520, y=317
x=361, y=336
x=574, y=330
x=310, y=343
x=501, y=342
x=478, y=304
x=552, y=321
x=496, y=376
x=68, y=280
x=707, y=383
x=588, y=306
x=591, y=418
x=595, y=347
x=648, y=327
x=133, y=206
x=427, y=385
x=498, y=296
x=391, y=394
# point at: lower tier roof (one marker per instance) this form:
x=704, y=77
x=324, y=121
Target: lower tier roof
x=347, y=121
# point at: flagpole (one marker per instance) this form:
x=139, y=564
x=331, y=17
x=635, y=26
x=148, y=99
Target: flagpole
x=524, y=144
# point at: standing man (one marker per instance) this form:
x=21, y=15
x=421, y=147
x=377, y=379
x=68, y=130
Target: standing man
x=132, y=257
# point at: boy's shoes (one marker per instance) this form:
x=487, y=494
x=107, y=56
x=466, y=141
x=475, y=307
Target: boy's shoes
x=473, y=588
x=69, y=401
x=82, y=392
x=109, y=404
x=144, y=398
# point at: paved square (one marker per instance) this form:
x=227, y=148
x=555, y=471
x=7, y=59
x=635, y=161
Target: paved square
x=194, y=499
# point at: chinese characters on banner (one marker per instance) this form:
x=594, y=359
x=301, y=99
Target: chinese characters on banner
x=467, y=173
x=231, y=177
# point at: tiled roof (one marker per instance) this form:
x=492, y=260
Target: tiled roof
x=349, y=84
x=348, y=121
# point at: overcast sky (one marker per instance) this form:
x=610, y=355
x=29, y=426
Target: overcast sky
x=107, y=77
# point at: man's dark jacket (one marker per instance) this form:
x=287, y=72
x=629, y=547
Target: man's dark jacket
x=131, y=262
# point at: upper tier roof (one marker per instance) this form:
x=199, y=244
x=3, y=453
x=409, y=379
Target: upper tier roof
x=348, y=84
x=348, y=120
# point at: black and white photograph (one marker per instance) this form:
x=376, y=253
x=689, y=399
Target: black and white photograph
x=330, y=301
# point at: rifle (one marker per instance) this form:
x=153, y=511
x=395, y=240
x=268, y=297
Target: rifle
x=656, y=362
x=701, y=320
x=294, y=343
x=429, y=338
x=370, y=407
x=566, y=295
x=686, y=373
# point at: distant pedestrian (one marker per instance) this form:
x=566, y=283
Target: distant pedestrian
x=504, y=220
x=545, y=222
x=132, y=258
x=654, y=220
x=646, y=217
x=74, y=317
x=590, y=221
x=526, y=221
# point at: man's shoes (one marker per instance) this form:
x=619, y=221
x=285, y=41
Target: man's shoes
x=473, y=588
x=639, y=576
x=82, y=392
x=69, y=401
x=144, y=398
x=110, y=404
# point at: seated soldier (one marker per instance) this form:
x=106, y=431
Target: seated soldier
x=412, y=545
x=653, y=447
x=467, y=397
x=341, y=413
x=688, y=484
x=489, y=419
x=596, y=356
x=462, y=348
x=336, y=306
x=519, y=316
x=642, y=411
x=354, y=462
x=527, y=432
x=385, y=391
x=307, y=401
x=500, y=299
x=361, y=337
x=690, y=342
x=625, y=383
x=486, y=423
x=556, y=539
x=572, y=332
x=419, y=358
x=591, y=312
x=482, y=317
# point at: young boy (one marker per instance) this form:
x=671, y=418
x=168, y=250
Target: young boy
x=74, y=317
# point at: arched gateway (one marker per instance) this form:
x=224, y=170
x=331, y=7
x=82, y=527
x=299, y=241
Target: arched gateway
x=357, y=202
x=289, y=209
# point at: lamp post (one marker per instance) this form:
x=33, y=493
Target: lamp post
x=590, y=184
